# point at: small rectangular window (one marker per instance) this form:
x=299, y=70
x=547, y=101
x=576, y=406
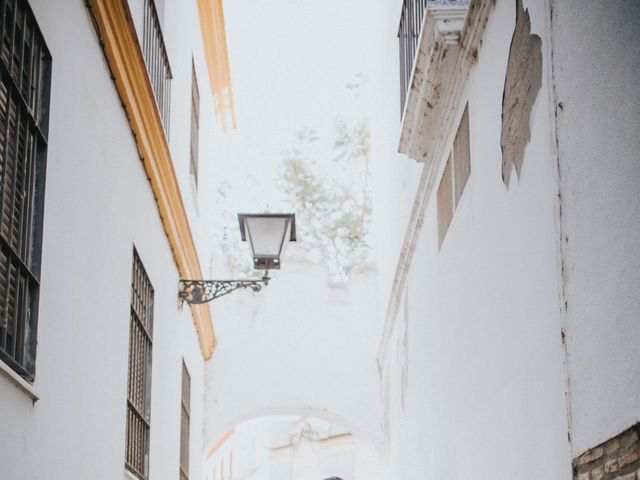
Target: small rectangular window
x=185, y=423
x=195, y=124
x=461, y=156
x=139, y=377
x=25, y=66
x=455, y=177
x=445, y=202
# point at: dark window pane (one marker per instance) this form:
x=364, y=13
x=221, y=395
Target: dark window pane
x=24, y=86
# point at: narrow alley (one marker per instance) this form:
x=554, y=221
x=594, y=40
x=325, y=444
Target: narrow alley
x=302, y=240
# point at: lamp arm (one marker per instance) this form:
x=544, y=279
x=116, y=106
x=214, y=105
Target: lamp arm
x=196, y=292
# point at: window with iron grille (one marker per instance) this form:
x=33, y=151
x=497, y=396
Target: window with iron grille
x=195, y=123
x=157, y=61
x=184, y=423
x=139, y=378
x=25, y=72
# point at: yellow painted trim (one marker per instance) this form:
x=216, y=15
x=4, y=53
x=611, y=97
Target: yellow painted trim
x=122, y=50
x=220, y=442
x=214, y=39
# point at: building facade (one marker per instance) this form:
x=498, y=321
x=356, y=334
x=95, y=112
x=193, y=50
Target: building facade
x=290, y=447
x=510, y=346
x=110, y=113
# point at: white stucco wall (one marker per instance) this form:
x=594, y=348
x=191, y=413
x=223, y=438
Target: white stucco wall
x=98, y=206
x=297, y=347
x=183, y=40
x=394, y=176
x=482, y=363
x=597, y=68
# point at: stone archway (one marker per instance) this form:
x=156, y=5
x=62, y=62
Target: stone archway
x=373, y=437
x=301, y=347
x=285, y=443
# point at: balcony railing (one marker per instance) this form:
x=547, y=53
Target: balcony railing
x=408, y=35
x=155, y=56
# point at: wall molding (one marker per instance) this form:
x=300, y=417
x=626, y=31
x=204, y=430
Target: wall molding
x=117, y=35
x=435, y=104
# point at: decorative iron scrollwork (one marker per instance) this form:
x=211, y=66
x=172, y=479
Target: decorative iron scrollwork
x=203, y=291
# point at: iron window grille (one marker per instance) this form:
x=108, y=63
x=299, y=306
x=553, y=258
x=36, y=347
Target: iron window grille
x=157, y=61
x=139, y=377
x=195, y=124
x=25, y=75
x=185, y=421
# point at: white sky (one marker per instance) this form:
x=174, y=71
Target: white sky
x=290, y=62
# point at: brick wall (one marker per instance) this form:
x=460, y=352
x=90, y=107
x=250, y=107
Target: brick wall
x=615, y=459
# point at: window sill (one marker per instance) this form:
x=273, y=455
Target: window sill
x=129, y=476
x=20, y=382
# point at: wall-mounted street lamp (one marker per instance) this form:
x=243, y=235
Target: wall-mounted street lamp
x=268, y=235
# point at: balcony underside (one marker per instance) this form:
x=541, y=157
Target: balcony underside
x=431, y=86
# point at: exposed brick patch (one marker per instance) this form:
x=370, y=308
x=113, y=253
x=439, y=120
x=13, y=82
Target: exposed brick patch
x=616, y=459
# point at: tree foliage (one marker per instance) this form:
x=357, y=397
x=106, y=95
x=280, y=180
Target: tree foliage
x=331, y=197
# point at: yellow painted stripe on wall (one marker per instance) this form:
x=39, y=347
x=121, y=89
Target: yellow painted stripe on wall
x=121, y=48
x=214, y=39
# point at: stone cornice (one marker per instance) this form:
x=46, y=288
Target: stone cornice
x=438, y=47
x=434, y=106
x=121, y=48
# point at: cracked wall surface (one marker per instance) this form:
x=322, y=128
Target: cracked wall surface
x=596, y=69
x=521, y=86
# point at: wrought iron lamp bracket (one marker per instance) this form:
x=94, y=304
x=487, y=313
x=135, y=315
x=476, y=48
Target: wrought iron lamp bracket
x=202, y=291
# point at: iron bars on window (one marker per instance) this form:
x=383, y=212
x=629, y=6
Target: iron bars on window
x=25, y=65
x=408, y=35
x=139, y=377
x=157, y=61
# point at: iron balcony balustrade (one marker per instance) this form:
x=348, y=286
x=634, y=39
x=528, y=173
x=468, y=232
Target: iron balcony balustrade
x=157, y=61
x=411, y=21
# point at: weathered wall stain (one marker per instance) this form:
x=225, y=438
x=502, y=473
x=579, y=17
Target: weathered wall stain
x=521, y=86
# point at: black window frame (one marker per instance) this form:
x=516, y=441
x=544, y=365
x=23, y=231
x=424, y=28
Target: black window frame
x=25, y=86
x=138, y=420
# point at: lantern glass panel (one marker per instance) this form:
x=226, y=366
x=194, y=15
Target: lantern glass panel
x=267, y=235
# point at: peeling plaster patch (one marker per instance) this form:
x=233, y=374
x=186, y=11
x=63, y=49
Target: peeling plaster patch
x=521, y=86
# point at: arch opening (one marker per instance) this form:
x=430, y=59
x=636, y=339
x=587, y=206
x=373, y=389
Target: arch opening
x=291, y=444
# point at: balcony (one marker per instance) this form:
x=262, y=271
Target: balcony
x=430, y=61
x=411, y=21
